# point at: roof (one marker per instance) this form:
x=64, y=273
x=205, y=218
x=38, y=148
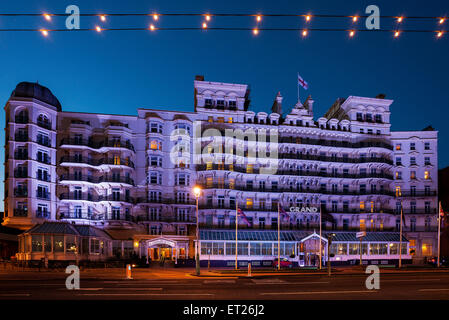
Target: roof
x=36, y=91
x=272, y=235
x=64, y=228
x=89, y=231
x=370, y=237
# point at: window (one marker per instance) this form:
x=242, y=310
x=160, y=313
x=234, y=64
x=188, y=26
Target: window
x=398, y=191
x=427, y=161
x=398, y=175
x=249, y=168
x=412, y=146
x=398, y=146
x=156, y=161
x=426, y=175
x=232, y=104
x=155, y=127
x=36, y=243
x=412, y=175
x=412, y=161
x=426, y=145
x=345, y=224
x=398, y=161
x=261, y=223
x=249, y=203
x=70, y=245
x=155, y=145
x=378, y=118
x=362, y=225
x=359, y=116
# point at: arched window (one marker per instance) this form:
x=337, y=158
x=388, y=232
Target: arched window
x=21, y=116
x=43, y=121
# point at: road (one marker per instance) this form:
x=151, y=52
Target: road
x=180, y=284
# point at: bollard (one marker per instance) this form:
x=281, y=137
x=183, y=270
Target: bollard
x=249, y=269
x=128, y=272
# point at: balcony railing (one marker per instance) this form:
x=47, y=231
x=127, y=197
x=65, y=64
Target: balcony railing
x=45, y=160
x=20, y=173
x=240, y=169
x=98, y=144
x=44, y=124
x=20, y=137
x=99, y=162
x=42, y=195
x=42, y=214
x=21, y=155
x=20, y=192
x=419, y=193
x=95, y=216
x=44, y=142
x=169, y=219
x=241, y=187
x=339, y=144
x=22, y=120
x=120, y=179
x=95, y=198
x=20, y=212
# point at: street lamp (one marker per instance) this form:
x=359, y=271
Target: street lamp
x=197, y=193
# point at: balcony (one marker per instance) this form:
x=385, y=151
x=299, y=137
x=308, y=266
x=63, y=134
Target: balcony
x=99, y=162
x=95, y=216
x=168, y=219
x=119, y=179
x=339, y=144
x=44, y=124
x=21, y=120
x=43, y=177
x=21, y=155
x=165, y=201
x=44, y=160
x=20, y=192
x=243, y=187
x=42, y=195
x=95, y=198
x=419, y=193
x=43, y=214
x=44, y=142
x=20, y=173
x=21, y=137
x=20, y=212
x=97, y=145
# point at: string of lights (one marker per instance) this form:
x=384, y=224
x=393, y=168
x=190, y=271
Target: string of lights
x=208, y=16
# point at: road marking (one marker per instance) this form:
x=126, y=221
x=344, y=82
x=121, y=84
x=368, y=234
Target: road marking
x=445, y=289
x=15, y=294
x=146, y=294
x=290, y=283
x=218, y=281
x=315, y=292
x=265, y=281
x=411, y=280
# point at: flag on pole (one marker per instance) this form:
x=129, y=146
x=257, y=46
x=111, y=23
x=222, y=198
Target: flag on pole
x=243, y=216
x=284, y=213
x=442, y=215
x=302, y=82
x=441, y=211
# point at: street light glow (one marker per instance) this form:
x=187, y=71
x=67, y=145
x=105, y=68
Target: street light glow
x=197, y=191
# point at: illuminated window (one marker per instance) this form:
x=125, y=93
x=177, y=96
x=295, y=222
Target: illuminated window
x=426, y=175
x=209, y=149
x=381, y=225
x=398, y=175
x=209, y=165
x=221, y=182
x=412, y=174
x=398, y=191
x=231, y=167
x=398, y=146
x=220, y=166
x=362, y=205
x=372, y=207
x=230, y=120
x=210, y=119
x=249, y=168
x=372, y=225
x=426, y=249
x=209, y=182
x=154, y=145
x=220, y=119
x=117, y=160
x=249, y=203
x=231, y=183
x=362, y=225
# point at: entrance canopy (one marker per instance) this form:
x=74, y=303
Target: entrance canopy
x=161, y=242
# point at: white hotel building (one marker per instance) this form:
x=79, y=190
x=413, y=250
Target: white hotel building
x=119, y=173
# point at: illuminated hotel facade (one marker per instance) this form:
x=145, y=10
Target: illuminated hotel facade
x=132, y=176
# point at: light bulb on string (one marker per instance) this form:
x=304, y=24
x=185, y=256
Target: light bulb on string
x=207, y=17
x=258, y=18
x=304, y=33
x=98, y=28
x=442, y=20
x=308, y=17
x=47, y=16
x=400, y=19
x=351, y=33
x=152, y=28
x=103, y=18
x=155, y=17
x=355, y=18
x=204, y=25
x=255, y=31
x=44, y=32
x=439, y=34
x=396, y=34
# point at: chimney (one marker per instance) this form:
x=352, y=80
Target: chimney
x=380, y=96
x=199, y=78
x=277, y=104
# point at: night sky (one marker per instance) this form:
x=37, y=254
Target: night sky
x=120, y=71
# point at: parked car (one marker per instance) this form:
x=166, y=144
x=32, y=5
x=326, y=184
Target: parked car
x=285, y=263
x=444, y=261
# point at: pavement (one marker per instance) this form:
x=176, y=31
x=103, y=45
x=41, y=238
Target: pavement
x=224, y=284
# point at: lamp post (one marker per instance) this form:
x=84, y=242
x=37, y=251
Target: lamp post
x=197, y=193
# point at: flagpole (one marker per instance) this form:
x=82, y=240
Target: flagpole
x=236, y=236
x=297, y=83
x=400, y=240
x=320, y=237
x=439, y=230
x=279, y=239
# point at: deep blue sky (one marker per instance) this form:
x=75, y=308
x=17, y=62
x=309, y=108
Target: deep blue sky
x=118, y=72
